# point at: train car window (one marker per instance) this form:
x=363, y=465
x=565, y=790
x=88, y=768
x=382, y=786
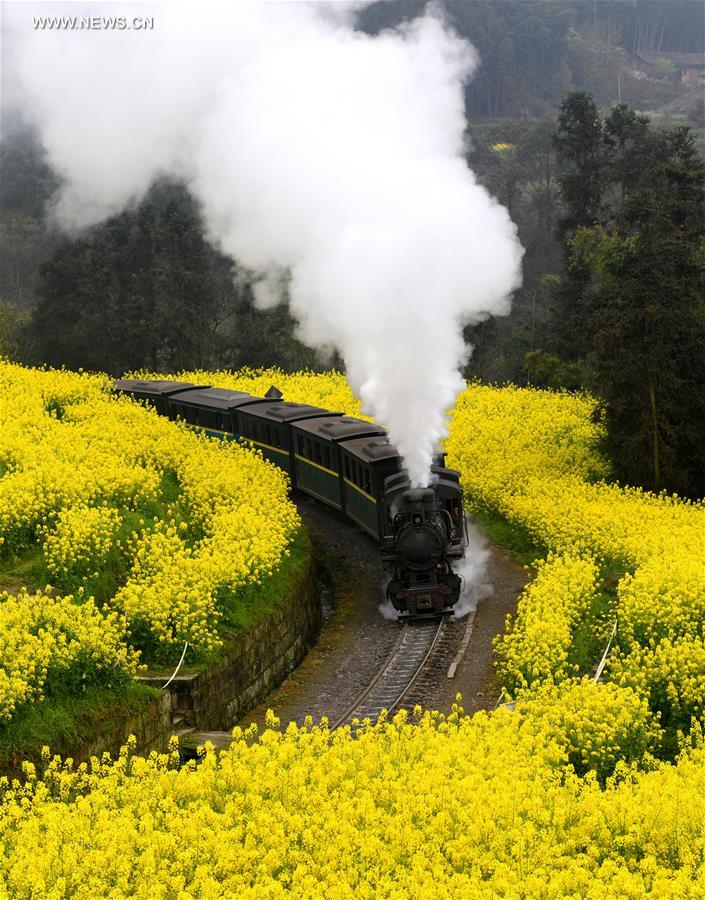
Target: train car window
x=367, y=484
x=316, y=452
x=300, y=444
x=325, y=457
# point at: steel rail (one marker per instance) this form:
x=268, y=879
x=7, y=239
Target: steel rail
x=357, y=708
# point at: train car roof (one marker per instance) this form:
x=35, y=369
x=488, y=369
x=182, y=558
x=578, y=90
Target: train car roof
x=286, y=411
x=157, y=388
x=339, y=428
x=371, y=449
x=441, y=476
x=216, y=398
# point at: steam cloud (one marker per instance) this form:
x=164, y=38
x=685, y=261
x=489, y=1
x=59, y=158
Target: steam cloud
x=473, y=569
x=321, y=156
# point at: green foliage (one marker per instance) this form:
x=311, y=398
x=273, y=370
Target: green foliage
x=65, y=721
x=631, y=305
x=145, y=289
x=512, y=536
x=534, y=52
x=545, y=370
x=12, y=323
x=26, y=240
x=247, y=606
x=240, y=609
x=664, y=68
x=516, y=161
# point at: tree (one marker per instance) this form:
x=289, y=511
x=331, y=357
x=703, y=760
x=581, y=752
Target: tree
x=26, y=241
x=146, y=290
x=641, y=301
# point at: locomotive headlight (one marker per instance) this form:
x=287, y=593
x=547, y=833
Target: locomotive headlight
x=417, y=518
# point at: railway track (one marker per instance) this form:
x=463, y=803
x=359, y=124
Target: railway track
x=397, y=677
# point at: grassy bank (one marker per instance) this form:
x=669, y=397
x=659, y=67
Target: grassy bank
x=67, y=723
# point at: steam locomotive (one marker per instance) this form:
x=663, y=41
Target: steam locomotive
x=348, y=464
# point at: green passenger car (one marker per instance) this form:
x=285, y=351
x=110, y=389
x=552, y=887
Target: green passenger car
x=317, y=454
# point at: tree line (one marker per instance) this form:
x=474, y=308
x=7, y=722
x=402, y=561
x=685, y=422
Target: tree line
x=534, y=52
x=146, y=289
x=630, y=306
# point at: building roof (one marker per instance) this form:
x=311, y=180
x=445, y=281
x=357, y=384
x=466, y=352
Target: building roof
x=679, y=59
x=339, y=428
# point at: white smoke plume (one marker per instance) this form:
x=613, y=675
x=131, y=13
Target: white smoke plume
x=473, y=570
x=324, y=158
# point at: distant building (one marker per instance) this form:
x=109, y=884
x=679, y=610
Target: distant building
x=690, y=67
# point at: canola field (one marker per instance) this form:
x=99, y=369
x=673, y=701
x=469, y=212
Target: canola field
x=144, y=535
x=576, y=789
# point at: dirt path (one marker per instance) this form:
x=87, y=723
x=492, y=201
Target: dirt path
x=356, y=639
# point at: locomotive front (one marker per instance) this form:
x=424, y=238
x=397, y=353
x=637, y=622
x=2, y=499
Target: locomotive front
x=426, y=533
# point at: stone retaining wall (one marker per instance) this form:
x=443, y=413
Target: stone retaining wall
x=151, y=727
x=250, y=664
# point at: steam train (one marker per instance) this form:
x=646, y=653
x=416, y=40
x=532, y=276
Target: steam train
x=348, y=464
